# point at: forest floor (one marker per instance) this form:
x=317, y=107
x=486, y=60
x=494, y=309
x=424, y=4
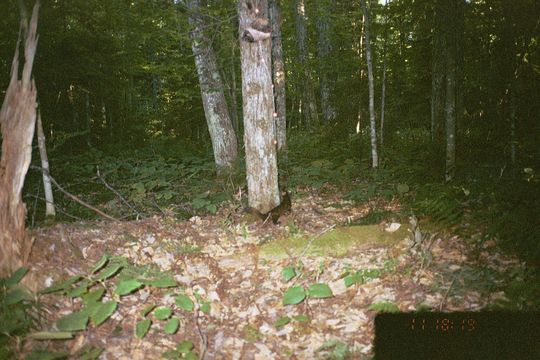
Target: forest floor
x=220, y=258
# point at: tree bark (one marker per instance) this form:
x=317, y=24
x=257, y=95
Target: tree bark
x=438, y=73
x=309, y=104
x=258, y=109
x=278, y=74
x=383, y=85
x=50, y=211
x=324, y=46
x=17, y=120
x=215, y=106
x=371, y=87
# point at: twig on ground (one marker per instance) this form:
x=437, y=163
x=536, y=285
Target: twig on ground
x=446, y=294
x=123, y=199
x=204, y=344
x=73, y=197
x=315, y=237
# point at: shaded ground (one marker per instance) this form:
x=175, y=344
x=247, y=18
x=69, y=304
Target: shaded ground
x=222, y=258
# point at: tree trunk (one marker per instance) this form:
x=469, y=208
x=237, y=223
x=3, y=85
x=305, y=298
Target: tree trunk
x=215, y=106
x=452, y=39
x=383, y=86
x=50, y=211
x=17, y=120
x=324, y=46
x=438, y=73
x=278, y=72
x=258, y=108
x=373, y=125
x=309, y=104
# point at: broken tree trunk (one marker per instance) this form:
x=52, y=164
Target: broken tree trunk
x=17, y=123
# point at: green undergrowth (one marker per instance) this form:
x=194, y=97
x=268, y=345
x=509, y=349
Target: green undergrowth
x=168, y=177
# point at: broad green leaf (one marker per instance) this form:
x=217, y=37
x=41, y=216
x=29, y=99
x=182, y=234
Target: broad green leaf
x=185, y=346
x=147, y=310
x=51, y=335
x=127, y=286
x=191, y=356
x=90, y=354
x=288, y=273
x=402, y=188
x=164, y=282
x=301, y=318
x=184, y=302
x=73, y=322
x=79, y=290
x=352, y=279
x=100, y=264
x=282, y=321
x=16, y=276
x=163, y=313
x=142, y=328
x=109, y=271
x=103, y=312
x=93, y=296
x=294, y=295
x=205, y=307
x=384, y=306
x=62, y=285
x=171, y=326
x=320, y=291
x=46, y=355
x=16, y=294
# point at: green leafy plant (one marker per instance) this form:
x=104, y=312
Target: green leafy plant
x=19, y=313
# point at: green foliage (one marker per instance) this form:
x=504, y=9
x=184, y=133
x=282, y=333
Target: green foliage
x=19, y=313
x=319, y=291
x=337, y=350
x=294, y=295
x=384, y=306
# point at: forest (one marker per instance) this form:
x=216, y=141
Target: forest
x=269, y=179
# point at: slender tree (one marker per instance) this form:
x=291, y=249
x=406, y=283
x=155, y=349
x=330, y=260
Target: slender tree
x=438, y=70
x=383, y=80
x=309, y=104
x=258, y=105
x=371, y=87
x=324, y=49
x=214, y=103
x=50, y=211
x=278, y=74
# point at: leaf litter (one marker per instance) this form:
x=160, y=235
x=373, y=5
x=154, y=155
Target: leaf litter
x=219, y=258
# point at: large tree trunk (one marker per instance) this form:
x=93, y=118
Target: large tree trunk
x=324, y=46
x=258, y=105
x=50, y=211
x=278, y=72
x=17, y=120
x=215, y=106
x=309, y=104
x=451, y=17
x=373, y=125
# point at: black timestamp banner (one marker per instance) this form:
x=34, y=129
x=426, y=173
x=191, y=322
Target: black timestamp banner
x=459, y=335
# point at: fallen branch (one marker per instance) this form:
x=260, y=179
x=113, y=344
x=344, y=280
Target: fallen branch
x=73, y=197
x=123, y=199
x=37, y=197
x=315, y=237
x=447, y=293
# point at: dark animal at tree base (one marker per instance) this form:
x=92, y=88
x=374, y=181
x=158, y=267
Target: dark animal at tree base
x=274, y=214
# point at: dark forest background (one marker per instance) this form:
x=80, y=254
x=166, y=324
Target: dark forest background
x=118, y=92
